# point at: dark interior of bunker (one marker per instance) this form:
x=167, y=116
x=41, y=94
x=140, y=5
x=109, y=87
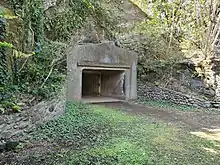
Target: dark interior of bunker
x=99, y=83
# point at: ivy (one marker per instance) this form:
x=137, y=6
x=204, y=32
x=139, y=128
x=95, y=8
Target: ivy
x=3, y=45
x=6, y=45
x=32, y=48
x=5, y=90
x=61, y=25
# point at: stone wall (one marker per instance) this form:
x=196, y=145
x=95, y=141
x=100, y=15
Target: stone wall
x=49, y=3
x=14, y=124
x=150, y=92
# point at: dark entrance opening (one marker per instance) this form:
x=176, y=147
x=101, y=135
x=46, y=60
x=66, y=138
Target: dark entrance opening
x=103, y=83
x=91, y=83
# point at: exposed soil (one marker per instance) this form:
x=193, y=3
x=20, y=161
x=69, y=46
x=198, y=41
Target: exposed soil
x=30, y=149
x=190, y=120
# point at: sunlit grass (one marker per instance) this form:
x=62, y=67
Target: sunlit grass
x=209, y=134
x=110, y=137
x=113, y=115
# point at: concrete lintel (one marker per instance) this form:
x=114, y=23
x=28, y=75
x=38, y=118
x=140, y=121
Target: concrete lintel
x=103, y=65
x=102, y=68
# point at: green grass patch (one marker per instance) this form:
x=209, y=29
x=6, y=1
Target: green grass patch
x=103, y=136
x=113, y=115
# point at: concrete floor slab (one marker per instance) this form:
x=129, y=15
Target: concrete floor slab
x=100, y=99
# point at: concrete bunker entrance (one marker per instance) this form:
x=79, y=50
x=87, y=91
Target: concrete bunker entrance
x=103, y=84
x=100, y=71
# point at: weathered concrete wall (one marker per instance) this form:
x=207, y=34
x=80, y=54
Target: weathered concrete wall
x=112, y=84
x=102, y=53
x=105, y=52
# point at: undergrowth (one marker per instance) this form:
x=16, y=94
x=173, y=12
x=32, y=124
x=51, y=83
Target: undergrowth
x=34, y=38
x=81, y=124
x=88, y=134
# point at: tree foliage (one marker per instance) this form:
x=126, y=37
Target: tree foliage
x=189, y=26
x=35, y=40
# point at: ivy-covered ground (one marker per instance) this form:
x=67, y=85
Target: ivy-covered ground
x=95, y=135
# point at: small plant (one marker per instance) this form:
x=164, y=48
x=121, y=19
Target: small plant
x=16, y=108
x=9, y=105
x=6, y=45
x=20, y=146
x=2, y=110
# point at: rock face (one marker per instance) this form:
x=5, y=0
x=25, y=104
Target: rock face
x=149, y=92
x=49, y=3
x=216, y=74
x=11, y=125
x=127, y=17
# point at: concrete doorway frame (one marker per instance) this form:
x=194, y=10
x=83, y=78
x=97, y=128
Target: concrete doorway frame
x=126, y=70
x=103, y=56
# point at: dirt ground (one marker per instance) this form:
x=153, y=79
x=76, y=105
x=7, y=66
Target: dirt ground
x=191, y=120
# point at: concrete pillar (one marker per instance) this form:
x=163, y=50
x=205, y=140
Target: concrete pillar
x=71, y=77
x=70, y=87
x=133, y=92
x=74, y=79
x=122, y=92
x=127, y=84
x=79, y=82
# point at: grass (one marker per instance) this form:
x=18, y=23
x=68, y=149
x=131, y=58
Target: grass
x=172, y=106
x=97, y=135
